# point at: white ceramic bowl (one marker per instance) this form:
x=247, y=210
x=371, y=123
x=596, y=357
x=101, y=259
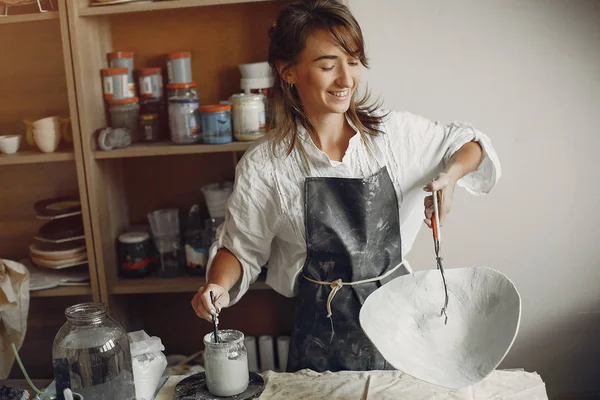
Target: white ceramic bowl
x=47, y=142
x=47, y=123
x=9, y=144
x=256, y=70
x=46, y=132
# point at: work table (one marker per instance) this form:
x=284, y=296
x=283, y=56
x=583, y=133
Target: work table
x=386, y=385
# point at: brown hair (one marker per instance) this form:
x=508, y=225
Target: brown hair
x=296, y=22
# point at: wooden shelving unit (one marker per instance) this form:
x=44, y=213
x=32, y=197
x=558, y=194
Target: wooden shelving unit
x=36, y=157
x=33, y=17
x=53, y=68
x=63, y=291
x=183, y=284
x=170, y=149
x=92, y=11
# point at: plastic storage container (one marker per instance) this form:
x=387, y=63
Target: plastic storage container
x=248, y=115
x=183, y=121
x=115, y=83
x=226, y=363
x=216, y=196
x=150, y=83
x=216, y=124
x=124, y=114
x=179, y=67
x=94, y=349
x=123, y=59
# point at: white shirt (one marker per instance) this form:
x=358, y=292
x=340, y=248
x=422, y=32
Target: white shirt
x=264, y=221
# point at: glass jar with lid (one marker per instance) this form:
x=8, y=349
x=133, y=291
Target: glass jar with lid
x=95, y=350
x=182, y=91
x=216, y=123
x=124, y=114
x=150, y=127
x=248, y=115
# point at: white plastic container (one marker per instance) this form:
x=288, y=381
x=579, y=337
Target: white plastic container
x=216, y=196
x=9, y=144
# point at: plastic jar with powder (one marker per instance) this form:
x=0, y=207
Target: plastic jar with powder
x=248, y=115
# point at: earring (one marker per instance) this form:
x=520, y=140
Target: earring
x=292, y=86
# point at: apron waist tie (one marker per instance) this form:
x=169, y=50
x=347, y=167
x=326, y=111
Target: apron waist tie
x=338, y=284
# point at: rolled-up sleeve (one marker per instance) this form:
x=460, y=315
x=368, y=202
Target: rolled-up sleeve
x=251, y=220
x=430, y=146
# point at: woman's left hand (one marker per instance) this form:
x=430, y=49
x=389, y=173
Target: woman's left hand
x=445, y=185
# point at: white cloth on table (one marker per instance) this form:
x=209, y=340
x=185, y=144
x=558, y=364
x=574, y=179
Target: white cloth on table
x=386, y=385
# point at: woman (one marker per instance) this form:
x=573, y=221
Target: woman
x=331, y=201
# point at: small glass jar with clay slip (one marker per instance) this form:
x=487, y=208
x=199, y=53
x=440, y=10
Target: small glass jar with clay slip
x=248, y=115
x=179, y=67
x=226, y=363
x=123, y=59
x=124, y=114
x=115, y=83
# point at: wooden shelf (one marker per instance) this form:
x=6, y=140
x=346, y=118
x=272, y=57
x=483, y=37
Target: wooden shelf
x=62, y=291
x=92, y=11
x=35, y=157
x=182, y=284
x=169, y=149
x=14, y=19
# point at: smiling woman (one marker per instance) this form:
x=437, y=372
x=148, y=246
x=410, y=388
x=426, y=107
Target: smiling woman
x=330, y=200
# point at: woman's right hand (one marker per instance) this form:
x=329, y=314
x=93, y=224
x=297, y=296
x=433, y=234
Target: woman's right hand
x=201, y=302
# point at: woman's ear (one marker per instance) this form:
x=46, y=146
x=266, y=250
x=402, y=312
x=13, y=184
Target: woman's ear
x=286, y=72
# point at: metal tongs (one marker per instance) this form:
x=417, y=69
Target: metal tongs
x=435, y=224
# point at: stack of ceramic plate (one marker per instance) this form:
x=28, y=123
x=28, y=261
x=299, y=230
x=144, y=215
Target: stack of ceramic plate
x=58, y=255
x=59, y=242
x=58, y=207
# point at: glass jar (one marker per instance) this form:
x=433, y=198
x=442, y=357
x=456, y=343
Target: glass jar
x=124, y=114
x=96, y=350
x=182, y=91
x=135, y=255
x=183, y=121
x=226, y=363
x=248, y=114
x=150, y=127
x=216, y=124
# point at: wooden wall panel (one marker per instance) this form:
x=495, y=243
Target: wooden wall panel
x=32, y=77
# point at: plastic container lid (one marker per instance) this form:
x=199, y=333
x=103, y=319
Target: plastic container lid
x=179, y=54
x=124, y=101
x=148, y=117
x=120, y=54
x=215, y=108
x=246, y=97
x=149, y=71
x=181, y=85
x=133, y=237
x=113, y=71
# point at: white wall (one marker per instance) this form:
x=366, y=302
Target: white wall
x=527, y=73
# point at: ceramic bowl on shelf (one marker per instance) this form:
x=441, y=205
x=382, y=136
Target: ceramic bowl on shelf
x=46, y=140
x=9, y=144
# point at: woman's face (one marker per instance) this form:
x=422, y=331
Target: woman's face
x=326, y=76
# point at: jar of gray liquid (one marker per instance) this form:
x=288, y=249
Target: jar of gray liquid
x=226, y=363
x=184, y=123
x=124, y=114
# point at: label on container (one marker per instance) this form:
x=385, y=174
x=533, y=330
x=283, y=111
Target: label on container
x=129, y=87
x=145, y=86
x=195, y=257
x=109, y=90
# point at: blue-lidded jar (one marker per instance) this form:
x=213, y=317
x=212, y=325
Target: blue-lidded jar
x=216, y=124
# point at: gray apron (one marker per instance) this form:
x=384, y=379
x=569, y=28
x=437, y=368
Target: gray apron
x=352, y=234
